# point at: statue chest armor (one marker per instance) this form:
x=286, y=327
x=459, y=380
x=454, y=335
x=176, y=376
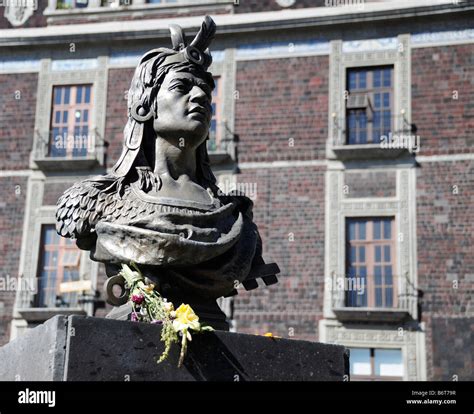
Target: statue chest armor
x=154, y=198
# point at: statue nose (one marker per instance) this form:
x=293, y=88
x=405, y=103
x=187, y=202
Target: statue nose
x=198, y=95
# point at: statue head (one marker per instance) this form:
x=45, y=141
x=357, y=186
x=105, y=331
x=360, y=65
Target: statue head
x=170, y=98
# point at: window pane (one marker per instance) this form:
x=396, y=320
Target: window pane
x=378, y=297
x=362, y=230
x=387, y=77
x=65, y=114
x=386, y=100
x=388, y=362
x=388, y=275
x=362, y=80
x=360, y=361
x=57, y=95
x=376, y=230
x=377, y=74
x=362, y=254
x=386, y=253
x=378, y=254
x=57, y=117
x=88, y=94
x=389, y=297
x=352, y=80
x=387, y=231
x=377, y=100
x=352, y=254
x=67, y=93
x=79, y=94
x=352, y=226
x=378, y=275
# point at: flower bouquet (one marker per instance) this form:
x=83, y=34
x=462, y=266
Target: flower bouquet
x=149, y=306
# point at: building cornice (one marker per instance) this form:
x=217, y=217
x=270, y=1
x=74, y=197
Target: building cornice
x=231, y=23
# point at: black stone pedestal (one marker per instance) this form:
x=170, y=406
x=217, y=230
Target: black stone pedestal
x=78, y=348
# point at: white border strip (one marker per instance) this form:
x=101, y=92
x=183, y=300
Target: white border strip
x=74, y=64
x=131, y=59
x=19, y=65
x=273, y=50
x=452, y=37
x=445, y=158
x=15, y=173
x=282, y=164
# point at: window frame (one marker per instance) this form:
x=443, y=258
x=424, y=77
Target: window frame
x=62, y=248
x=71, y=108
x=217, y=96
x=369, y=92
x=75, y=72
x=372, y=376
x=370, y=262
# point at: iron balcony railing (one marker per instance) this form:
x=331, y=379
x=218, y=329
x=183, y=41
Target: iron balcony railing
x=49, y=145
x=363, y=293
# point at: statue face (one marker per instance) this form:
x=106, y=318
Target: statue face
x=184, y=109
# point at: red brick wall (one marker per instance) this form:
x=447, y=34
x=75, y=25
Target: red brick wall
x=117, y=89
x=12, y=205
x=279, y=99
x=444, y=124
x=17, y=119
x=445, y=255
x=289, y=201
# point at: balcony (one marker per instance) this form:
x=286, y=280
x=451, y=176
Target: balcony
x=222, y=150
x=27, y=309
x=62, y=152
x=356, y=302
x=359, y=143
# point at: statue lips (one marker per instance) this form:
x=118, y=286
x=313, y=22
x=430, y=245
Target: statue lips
x=200, y=110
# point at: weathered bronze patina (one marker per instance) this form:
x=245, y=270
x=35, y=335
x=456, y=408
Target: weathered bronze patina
x=160, y=206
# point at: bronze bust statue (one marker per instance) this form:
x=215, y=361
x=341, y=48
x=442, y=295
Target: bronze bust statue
x=160, y=206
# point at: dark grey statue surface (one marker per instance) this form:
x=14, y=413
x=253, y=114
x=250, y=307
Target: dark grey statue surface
x=160, y=206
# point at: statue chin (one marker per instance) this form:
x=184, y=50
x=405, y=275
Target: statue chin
x=194, y=135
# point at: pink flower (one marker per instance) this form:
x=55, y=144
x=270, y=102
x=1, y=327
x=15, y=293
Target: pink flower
x=134, y=317
x=138, y=299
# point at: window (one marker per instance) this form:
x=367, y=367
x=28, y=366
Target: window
x=215, y=131
x=72, y=4
x=369, y=104
x=370, y=258
x=161, y=1
x=375, y=364
x=70, y=121
x=60, y=259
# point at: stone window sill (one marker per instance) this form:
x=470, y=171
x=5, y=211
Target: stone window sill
x=64, y=164
x=43, y=314
x=367, y=151
x=347, y=314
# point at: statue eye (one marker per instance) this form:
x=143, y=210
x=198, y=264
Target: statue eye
x=180, y=87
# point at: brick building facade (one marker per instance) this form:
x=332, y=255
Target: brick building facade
x=308, y=87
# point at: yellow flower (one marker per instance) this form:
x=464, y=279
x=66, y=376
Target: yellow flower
x=149, y=288
x=186, y=319
x=270, y=335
